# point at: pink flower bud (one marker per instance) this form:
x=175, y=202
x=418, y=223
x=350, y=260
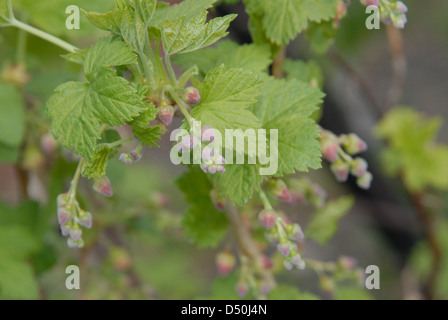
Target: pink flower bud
x=341, y=170
x=265, y=263
x=136, y=154
x=217, y=200
x=352, y=143
x=265, y=288
x=284, y=248
x=75, y=233
x=103, y=186
x=207, y=134
x=71, y=244
x=329, y=149
x=279, y=189
x=64, y=215
x=85, y=219
x=365, y=181
x=288, y=265
x=221, y=169
x=400, y=7
x=207, y=153
x=399, y=21
x=212, y=169
x=358, y=167
x=48, y=143
x=294, y=232
x=204, y=167
x=192, y=96
x=242, y=289
x=126, y=158
x=296, y=260
x=347, y=263
x=62, y=200
x=267, y=218
x=187, y=143
x=65, y=229
x=370, y=2
x=166, y=114
x=225, y=262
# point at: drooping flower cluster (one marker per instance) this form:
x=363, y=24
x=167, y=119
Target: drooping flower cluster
x=71, y=217
x=298, y=191
x=391, y=11
x=338, y=151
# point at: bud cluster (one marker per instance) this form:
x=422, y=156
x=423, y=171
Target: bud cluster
x=133, y=156
x=304, y=191
x=71, y=217
x=251, y=278
x=338, y=151
x=391, y=11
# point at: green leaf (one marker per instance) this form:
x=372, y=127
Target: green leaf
x=145, y=10
x=5, y=12
x=77, y=109
x=107, y=52
x=286, y=106
x=17, y=281
x=16, y=242
x=76, y=57
x=309, y=72
x=9, y=154
x=95, y=167
x=133, y=30
x=325, y=221
x=239, y=182
x=187, y=8
x=413, y=152
x=250, y=57
x=12, y=115
x=225, y=98
x=285, y=292
x=321, y=36
x=182, y=36
x=203, y=223
x=283, y=20
x=104, y=21
x=142, y=130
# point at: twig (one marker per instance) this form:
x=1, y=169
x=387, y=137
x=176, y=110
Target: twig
x=399, y=67
x=246, y=243
x=277, y=65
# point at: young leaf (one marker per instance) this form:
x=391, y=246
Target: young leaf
x=77, y=57
x=309, y=72
x=325, y=221
x=145, y=10
x=141, y=129
x=286, y=106
x=133, y=30
x=181, y=36
x=107, y=52
x=250, y=57
x=95, y=167
x=104, y=21
x=77, y=109
x=187, y=8
x=225, y=97
x=203, y=223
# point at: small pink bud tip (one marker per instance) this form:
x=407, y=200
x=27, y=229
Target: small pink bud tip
x=85, y=219
x=267, y=218
x=242, y=289
x=225, y=262
x=62, y=200
x=294, y=232
x=187, y=143
x=353, y=144
x=192, y=96
x=65, y=230
x=166, y=114
x=296, y=260
x=204, y=167
x=358, y=167
x=365, y=181
x=212, y=169
x=75, y=234
x=265, y=263
x=126, y=158
x=48, y=143
x=400, y=7
x=370, y=2
x=221, y=169
x=279, y=189
x=217, y=200
x=340, y=170
x=207, y=134
x=207, y=153
x=284, y=248
x=347, y=263
x=330, y=150
x=64, y=215
x=103, y=186
x=399, y=21
x=136, y=155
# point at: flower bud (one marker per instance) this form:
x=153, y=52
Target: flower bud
x=192, y=96
x=267, y=218
x=352, y=143
x=207, y=134
x=370, y=2
x=221, y=169
x=399, y=21
x=347, y=263
x=358, y=167
x=48, y=143
x=341, y=170
x=126, y=158
x=75, y=233
x=279, y=189
x=207, y=153
x=242, y=289
x=329, y=149
x=64, y=215
x=218, y=200
x=75, y=244
x=365, y=181
x=166, y=113
x=225, y=262
x=212, y=169
x=296, y=260
x=288, y=265
x=265, y=263
x=400, y=7
x=272, y=236
x=187, y=143
x=284, y=248
x=103, y=186
x=65, y=229
x=294, y=232
x=136, y=154
x=85, y=219
x=62, y=200
x=265, y=288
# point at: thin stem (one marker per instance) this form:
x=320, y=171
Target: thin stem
x=149, y=75
x=43, y=35
x=171, y=72
x=399, y=67
x=159, y=64
x=277, y=65
x=264, y=199
x=75, y=180
x=184, y=78
x=120, y=142
x=180, y=103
